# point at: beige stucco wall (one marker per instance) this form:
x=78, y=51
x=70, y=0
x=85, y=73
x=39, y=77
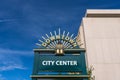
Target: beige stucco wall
x=101, y=39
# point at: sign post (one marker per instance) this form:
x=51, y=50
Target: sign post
x=59, y=58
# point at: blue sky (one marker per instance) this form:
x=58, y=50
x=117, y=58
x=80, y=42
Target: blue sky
x=23, y=22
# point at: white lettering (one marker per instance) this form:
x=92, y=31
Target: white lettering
x=47, y=63
x=59, y=63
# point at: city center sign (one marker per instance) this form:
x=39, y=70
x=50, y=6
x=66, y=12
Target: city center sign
x=59, y=57
x=67, y=63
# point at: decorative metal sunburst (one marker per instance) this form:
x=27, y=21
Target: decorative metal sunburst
x=50, y=41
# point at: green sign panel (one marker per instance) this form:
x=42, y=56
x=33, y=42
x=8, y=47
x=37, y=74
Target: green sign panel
x=67, y=63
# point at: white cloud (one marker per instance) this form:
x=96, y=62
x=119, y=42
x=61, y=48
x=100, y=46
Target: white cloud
x=10, y=59
x=11, y=67
x=10, y=63
x=18, y=52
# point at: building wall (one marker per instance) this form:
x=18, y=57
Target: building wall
x=100, y=36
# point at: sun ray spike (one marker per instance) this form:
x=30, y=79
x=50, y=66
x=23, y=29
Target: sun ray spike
x=47, y=35
x=64, y=43
x=55, y=33
x=71, y=35
x=53, y=44
x=67, y=33
x=38, y=44
x=49, y=46
x=51, y=33
x=59, y=31
x=41, y=41
x=63, y=33
x=44, y=38
x=67, y=44
x=74, y=38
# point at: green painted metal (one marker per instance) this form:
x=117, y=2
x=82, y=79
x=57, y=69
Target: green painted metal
x=75, y=54
x=59, y=76
x=65, y=50
x=62, y=68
